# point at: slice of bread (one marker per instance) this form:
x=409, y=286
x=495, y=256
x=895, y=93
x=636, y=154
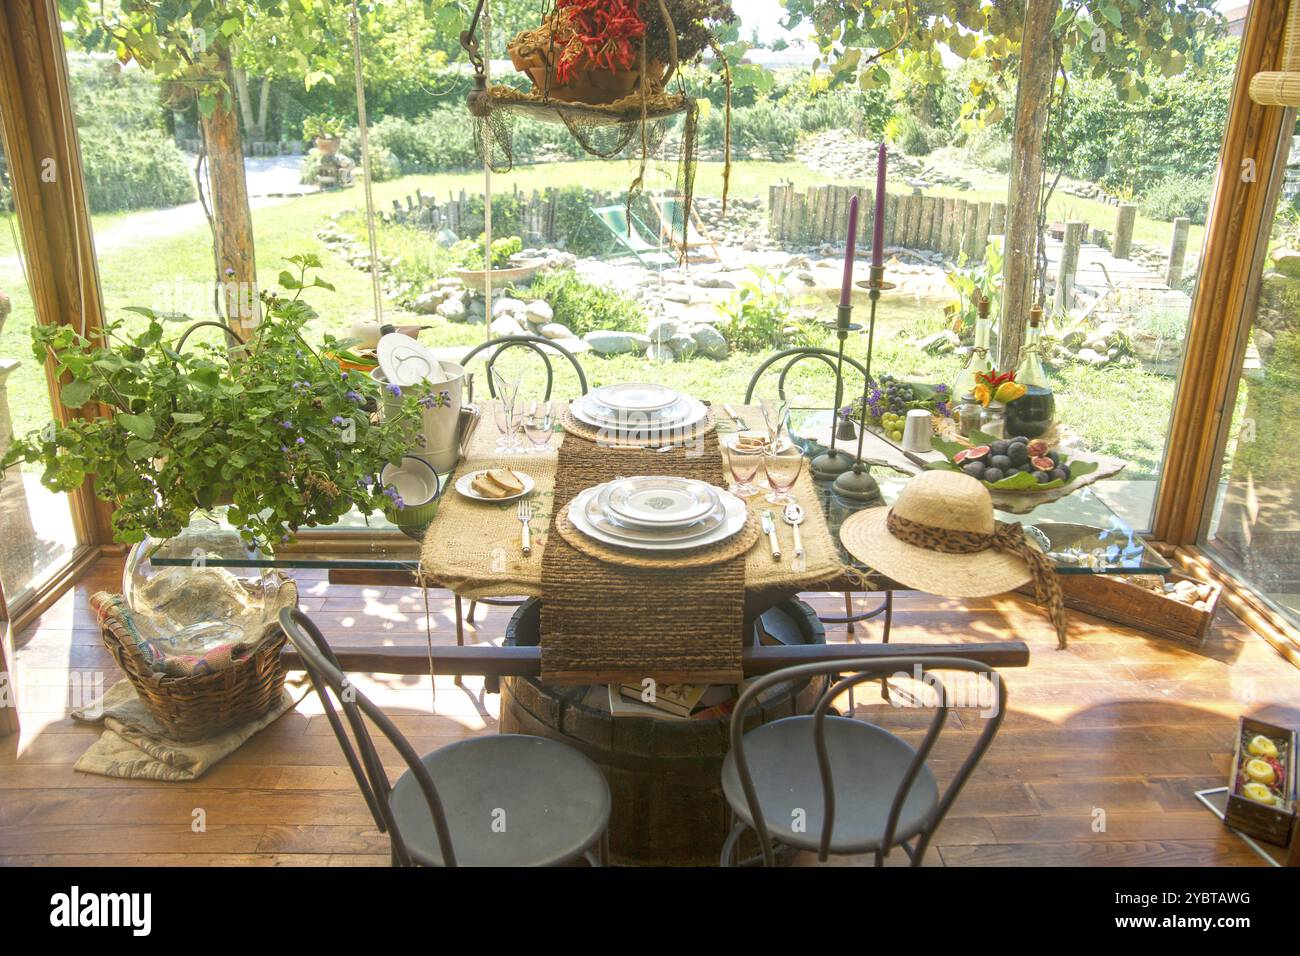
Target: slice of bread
x=486, y=487
x=507, y=479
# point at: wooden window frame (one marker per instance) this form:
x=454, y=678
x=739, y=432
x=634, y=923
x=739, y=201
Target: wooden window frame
x=44, y=160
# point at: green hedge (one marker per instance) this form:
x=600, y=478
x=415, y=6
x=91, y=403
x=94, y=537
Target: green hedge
x=584, y=306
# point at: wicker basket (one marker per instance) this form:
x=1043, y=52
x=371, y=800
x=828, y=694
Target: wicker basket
x=192, y=708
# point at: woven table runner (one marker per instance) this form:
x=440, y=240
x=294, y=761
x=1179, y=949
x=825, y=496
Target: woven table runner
x=604, y=623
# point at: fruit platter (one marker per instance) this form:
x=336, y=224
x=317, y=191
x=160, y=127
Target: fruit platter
x=1021, y=473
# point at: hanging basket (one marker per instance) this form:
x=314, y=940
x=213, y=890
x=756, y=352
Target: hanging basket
x=589, y=84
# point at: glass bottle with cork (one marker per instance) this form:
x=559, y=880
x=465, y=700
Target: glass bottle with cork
x=1034, y=412
x=977, y=360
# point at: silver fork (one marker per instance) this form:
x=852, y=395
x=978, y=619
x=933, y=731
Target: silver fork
x=525, y=516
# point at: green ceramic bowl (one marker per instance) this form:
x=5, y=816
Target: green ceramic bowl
x=419, y=487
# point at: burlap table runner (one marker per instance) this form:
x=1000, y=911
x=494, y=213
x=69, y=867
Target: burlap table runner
x=607, y=623
x=473, y=547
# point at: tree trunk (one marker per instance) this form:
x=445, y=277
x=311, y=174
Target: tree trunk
x=1037, y=71
x=263, y=106
x=232, y=232
x=245, y=101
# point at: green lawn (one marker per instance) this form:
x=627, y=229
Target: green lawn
x=1123, y=411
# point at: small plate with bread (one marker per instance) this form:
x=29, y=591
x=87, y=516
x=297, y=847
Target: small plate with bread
x=495, y=484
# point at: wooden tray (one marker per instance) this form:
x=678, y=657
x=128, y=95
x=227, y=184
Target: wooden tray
x=1114, y=599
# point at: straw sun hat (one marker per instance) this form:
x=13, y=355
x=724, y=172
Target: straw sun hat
x=940, y=537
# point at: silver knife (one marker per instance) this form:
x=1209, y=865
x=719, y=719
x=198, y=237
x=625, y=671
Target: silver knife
x=769, y=526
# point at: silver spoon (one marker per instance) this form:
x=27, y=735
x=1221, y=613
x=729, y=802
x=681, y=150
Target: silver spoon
x=793, y=516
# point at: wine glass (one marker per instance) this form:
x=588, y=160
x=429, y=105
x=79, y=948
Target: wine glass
x=506, y=410
x=776, y=418
x=539, y=422
x=744, y=464
x=782, y=464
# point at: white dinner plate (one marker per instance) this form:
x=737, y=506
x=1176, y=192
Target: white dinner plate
x=641, y=425
x=465, y=485
x=736, y=513
x=609, y=524
x=406, y=362
x=653, y=501
x=667, y=416
x=636, y=396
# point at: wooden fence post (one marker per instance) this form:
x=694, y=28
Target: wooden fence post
x=1069, y=266
x=998, y=219
x=1177, y=252
x=983, y=220
x=1125, y=216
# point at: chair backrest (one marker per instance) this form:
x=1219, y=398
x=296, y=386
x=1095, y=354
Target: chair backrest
x=533, y=342
x=792, y=357
x=614, y=218
x=851, y=673
x=328, y=678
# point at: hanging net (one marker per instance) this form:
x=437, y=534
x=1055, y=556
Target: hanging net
x=630, y=113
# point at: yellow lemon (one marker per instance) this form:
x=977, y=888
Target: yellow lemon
x=1257, y=792
x=1260, y=770
x=1261, y=746
x=1009, y=392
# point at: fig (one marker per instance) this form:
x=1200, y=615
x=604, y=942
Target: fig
x=1062, y=473
x=975, y=469
x=1036, y=448
x=999, y=461
x=999, y=447
x=1042, y=463
x=1055, y=456
x=1020, y=440
x=1015, y=471
x=993, y=474
x=1017, y=454
x=1043, y=477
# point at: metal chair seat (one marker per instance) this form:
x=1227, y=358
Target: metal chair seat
x=509, y=800
x=867, y=763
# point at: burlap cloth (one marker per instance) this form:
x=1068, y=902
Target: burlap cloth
x=473, y=547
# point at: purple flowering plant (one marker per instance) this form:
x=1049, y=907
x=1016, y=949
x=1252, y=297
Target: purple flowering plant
x=274, y=428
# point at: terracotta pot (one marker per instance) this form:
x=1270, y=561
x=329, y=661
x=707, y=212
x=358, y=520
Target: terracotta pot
x=328, y=145
x=589, y=84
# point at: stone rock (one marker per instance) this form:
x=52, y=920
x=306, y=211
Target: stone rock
x=806, y=277
x=506, y=306
x=660, y=353
x=426, y=303
x=506, y=325
x=940, y=343
x=556, y=330
x=539, y=312
x=683, y=345
x=573, y=345
x=1091, y=356
x=609, y=342
x=453, y=310
x=661, y=330
x=712, y=344
x=1287, y=262
x=715, y=282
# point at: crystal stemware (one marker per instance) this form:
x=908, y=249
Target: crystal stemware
x=782, y=465
x=743, y=464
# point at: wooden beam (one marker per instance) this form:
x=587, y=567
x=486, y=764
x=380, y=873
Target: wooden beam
x=8, y=676
x=1216, y=331
x=491, y=661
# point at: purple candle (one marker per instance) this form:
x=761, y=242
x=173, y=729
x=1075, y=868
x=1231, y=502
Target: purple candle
x=878, y=224
x=850, y=248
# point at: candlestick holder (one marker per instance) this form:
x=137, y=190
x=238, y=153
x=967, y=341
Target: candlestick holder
x=833, y=462
x=856, y=482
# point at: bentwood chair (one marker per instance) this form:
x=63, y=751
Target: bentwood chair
x=496, y=347
x=838, y=785
x=498, y=800
x=787, y=360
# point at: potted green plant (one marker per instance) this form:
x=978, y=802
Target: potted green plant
x=325, y=131
x=275, y=428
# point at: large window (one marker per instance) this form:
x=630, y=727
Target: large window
x=1254, y=521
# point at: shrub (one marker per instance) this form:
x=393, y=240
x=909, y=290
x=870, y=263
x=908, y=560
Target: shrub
x=762, y=130
x=909, y=134
x=989, y=147
x=383, y=165
x=1178, y=195
x=584, y=306
x=133, y=169
x=761, y=315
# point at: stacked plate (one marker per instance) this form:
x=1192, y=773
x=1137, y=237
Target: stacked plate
x=637, y=410
x=657, y=513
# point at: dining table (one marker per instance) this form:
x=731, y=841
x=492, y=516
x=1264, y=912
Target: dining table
x=1083, y=535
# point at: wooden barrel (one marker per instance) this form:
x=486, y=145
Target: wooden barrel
x=664, y=774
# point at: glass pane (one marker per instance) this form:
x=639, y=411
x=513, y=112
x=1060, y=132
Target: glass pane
x=38, y=534
x=1255, y=519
